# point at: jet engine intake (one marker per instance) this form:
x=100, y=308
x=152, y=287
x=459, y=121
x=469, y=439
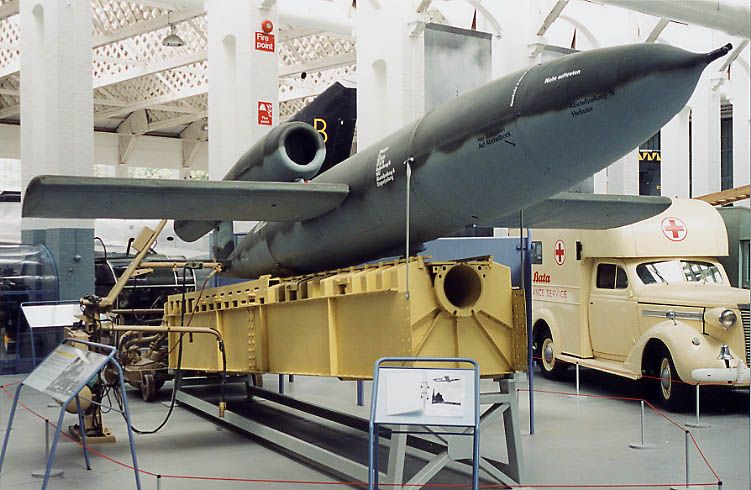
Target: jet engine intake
x=289, y=152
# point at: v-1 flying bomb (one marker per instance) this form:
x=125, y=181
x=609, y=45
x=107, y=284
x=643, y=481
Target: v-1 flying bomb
x=477, y=160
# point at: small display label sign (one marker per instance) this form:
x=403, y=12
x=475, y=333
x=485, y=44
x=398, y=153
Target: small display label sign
x=265, y=113
x=65, y=371
x=265, y=42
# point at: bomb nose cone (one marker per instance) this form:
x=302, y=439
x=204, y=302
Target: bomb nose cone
x=717, y=53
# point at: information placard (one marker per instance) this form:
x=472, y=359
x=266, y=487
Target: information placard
x=425, y=396
x=65, y=371
x=51, y=315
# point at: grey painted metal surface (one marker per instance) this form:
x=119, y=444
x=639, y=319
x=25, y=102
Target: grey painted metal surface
x=92, y=197
x=504, y=147
x=574, y=210
x=73, y=252
x=738, y=224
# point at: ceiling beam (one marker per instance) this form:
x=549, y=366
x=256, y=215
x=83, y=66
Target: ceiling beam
x=176, y=121
x=159, y=22
x=734, y=55
x=150, y=69
x=8, y=9
x=659, y=27
x=319, y=65
x=554, y=13
x=149, y=103
x=10, y=111
x=11, y=68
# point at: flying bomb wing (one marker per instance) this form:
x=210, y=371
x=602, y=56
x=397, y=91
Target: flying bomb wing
x=53, y=196
x=587, y=211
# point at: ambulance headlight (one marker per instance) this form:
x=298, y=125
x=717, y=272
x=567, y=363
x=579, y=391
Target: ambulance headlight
x=728, y=318
x=721, y=317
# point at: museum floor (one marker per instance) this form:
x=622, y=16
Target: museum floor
x=578, y=441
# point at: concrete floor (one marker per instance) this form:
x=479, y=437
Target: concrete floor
x=577, y=441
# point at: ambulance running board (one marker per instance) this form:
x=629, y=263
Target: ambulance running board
x=612, y=367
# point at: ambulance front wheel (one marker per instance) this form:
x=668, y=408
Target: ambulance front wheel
x=672, y=392
x=544, y=352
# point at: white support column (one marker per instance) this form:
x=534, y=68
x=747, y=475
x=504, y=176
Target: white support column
x=601, y=182
x=623, y=175
x=741, y=99
x=705, y=137
x=674, y=154
x=57, y=135
x=192, y=137
x=390, y=68
x=242, y=77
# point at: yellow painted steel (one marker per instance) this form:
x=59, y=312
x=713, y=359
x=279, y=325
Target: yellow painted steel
x=339, y=323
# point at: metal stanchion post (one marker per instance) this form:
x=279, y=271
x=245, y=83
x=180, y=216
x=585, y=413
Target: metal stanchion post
x=2, y=408
x=642, y=444
x=281, y=384
x=158, y=482
x=359, y=393
x=697, y=424
x=686, y=438
x=576, y=369
x=55, y=472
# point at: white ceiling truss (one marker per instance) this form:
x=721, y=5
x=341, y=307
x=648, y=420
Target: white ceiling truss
x=143, y=87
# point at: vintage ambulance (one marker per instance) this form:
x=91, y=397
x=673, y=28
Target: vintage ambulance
x=647, y=300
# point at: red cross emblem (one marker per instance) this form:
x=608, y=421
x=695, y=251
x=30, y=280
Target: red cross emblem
x=559, y=251
x=674, y=229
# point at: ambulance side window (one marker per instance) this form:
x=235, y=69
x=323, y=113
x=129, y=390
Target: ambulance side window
x=536, y=252
x=611, y=276
x=606, y=276
x=621, y=279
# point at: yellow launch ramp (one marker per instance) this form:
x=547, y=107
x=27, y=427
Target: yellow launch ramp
x=339, y=323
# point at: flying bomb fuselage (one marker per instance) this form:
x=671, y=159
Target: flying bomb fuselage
x=496, y=150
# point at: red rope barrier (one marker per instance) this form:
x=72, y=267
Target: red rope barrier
x=701, y=453
x=3, y=388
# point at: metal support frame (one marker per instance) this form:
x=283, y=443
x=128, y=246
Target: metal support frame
x=109, y=360
x=502, y=407
x=399, y=436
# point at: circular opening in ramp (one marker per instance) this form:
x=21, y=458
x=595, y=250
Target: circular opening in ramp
x=462, y=286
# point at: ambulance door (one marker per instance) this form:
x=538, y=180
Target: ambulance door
x=612, y=312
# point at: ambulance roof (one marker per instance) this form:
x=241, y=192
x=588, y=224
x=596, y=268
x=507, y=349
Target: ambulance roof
x=688, y=228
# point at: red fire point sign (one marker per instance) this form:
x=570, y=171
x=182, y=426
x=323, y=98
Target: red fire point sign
x=264, y=113
x=559, y=251
x=265, y=42
x=674, y=229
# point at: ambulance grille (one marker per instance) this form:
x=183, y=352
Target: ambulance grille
x=746, y=318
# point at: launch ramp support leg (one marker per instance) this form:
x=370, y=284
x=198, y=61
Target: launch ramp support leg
x=435, y=452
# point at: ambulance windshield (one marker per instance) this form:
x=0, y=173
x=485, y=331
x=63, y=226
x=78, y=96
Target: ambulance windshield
x=676, y=271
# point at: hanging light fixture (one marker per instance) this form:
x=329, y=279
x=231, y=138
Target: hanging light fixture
x=172, y=40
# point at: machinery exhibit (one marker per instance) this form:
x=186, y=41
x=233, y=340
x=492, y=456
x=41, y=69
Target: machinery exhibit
x=403, y=243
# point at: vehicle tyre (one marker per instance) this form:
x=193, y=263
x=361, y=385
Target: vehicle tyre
x=550, y=367
x=671, y=392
